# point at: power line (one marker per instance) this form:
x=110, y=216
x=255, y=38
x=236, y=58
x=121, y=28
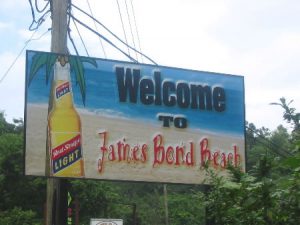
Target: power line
x=69, y=32
x=136, y=29
x=123, y=27
x=36, y=23
x=81, y=38
x=32, y=13
x=273, y=150
x=272, y=144
x=129, y=21
x=104, y=38
x=15, y=60
x=42, y=18
x=72, y=41
x=110, y=32
x=96, y=28
x=43, y=9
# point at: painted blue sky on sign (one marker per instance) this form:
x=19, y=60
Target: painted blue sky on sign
x=102, y=96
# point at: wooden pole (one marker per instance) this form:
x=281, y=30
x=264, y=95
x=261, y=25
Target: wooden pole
x=134, y=217
x=59, y=26
x=57, y=205
x=166, y=204
x=77, y=209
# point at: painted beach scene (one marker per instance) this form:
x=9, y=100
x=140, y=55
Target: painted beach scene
x=138, y=122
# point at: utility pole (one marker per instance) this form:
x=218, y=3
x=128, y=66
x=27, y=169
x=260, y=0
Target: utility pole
x=166, y=204
x=59, y=26
x=134, y=216
x=57, y=188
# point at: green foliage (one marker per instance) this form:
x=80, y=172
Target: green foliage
x=244, y=201
x=6, y=127
x=281, y=138
x=98, y=199
x=289, y=114
x=269, y=194
x=292, y=117
x=20, y=195
x=186, y=208
x=17, y=216
x=121, y=200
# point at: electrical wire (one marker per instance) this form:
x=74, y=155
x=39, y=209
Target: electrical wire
x=269, y=148
x=32, y=11
x=110, y=32
x=104, y=38
x=38, y=22
x=136, y=28
x=132, y=36
x=87, y=53
x=72, y=41
x=121, y=18
x=69, y=9
x=35, y=24
x=69, y=30
x=271, y=144
x=17, y=57
x=41, y=10
x=96, y=28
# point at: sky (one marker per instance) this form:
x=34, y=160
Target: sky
x=259, y=40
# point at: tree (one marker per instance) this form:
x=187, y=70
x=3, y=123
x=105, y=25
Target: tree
x=292, y=117
x=20, y=196
x=270, y=192
x=18, y=216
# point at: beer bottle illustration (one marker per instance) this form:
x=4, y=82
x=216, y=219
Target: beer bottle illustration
x=65, y=158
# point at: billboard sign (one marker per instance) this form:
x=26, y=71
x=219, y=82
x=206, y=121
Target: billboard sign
x=106, y=222
x=114, y=120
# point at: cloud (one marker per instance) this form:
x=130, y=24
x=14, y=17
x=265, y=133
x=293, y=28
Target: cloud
x=11, y=5
x=4, y=25
x=259, y=40
x=12, y=87
x=16, y=9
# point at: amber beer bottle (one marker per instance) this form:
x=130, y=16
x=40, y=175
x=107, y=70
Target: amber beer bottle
x=64, y=127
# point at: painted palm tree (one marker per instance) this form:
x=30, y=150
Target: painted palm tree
x=47, y=60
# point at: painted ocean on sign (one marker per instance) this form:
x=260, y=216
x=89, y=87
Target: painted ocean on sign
x=102, y=97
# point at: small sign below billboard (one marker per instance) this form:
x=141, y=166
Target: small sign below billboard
x=106, y=222
x=113, y=120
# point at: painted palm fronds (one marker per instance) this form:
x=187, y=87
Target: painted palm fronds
x=46, y=61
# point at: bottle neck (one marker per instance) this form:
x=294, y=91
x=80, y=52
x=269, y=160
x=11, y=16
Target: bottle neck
x=62, y=92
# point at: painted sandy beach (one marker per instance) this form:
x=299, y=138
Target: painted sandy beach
x=132, y=133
